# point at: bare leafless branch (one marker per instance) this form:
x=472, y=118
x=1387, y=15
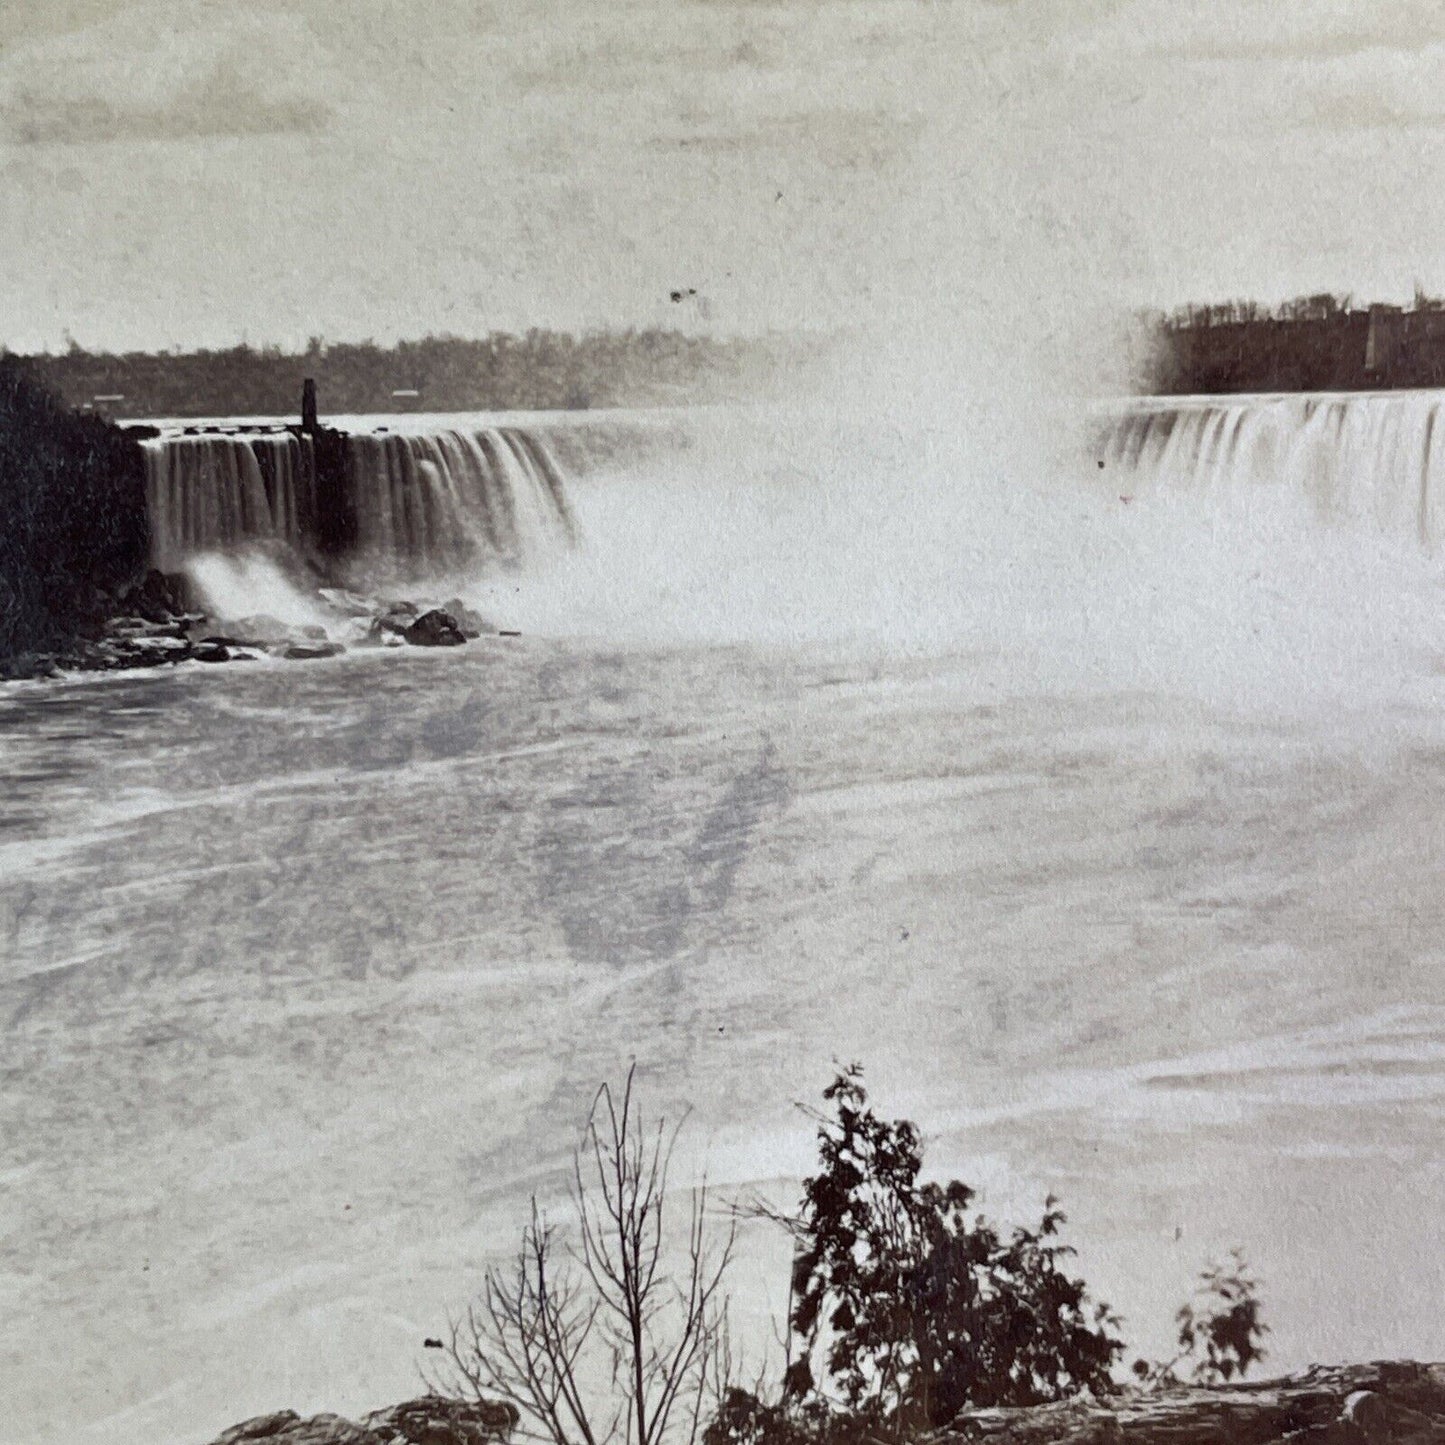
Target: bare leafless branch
x=618, y=1337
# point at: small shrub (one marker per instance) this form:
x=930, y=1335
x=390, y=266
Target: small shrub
x=1220, y=1329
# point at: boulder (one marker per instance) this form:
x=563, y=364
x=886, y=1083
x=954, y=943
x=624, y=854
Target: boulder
x=350, y=604
x=269, y=633
x=396, y=616
x=470, y=623
x=141, y=651
x=433, y=1420
x=141, y=627
x=379, y=632
x=430, y=1420
x=434, y=629
x=27, y=666
x=308, y=651
x=262, y=630
x=157, y=597
x=211, y=650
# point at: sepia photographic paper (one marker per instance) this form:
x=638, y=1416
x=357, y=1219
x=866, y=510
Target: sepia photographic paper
x=722, y=722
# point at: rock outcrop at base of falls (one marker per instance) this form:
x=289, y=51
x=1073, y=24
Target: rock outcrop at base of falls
x=159, y=623
x=434, y=628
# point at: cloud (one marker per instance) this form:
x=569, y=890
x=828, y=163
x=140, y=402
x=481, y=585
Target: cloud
x=223, y=103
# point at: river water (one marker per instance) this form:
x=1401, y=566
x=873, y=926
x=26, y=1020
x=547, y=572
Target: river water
x=1107, y=835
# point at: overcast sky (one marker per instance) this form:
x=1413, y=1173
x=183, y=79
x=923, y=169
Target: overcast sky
x=180, y=172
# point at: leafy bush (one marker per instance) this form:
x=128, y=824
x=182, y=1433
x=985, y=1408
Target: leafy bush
x=908, y=1305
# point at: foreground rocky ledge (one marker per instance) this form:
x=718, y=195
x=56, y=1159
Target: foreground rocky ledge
x=1399, y=1403
x=1380, y=1404
x=430, y=1420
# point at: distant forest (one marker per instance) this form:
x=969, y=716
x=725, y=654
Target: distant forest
x=1311, y=343
x=541, y=370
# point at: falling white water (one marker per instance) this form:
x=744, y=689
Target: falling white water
x=455, y=497
x=213, y=492
x=1372, y=460
x=413, y=503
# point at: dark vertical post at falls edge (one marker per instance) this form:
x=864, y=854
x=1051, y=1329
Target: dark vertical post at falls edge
x=335, y=504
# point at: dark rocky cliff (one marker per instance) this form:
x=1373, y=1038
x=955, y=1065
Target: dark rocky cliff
x=73, y=524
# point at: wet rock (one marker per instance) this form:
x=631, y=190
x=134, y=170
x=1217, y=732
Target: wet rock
x=397, y=617
x=470, y=623
x=139, y=628
x=352, y=604
x=136, y=650
x=308, y=651
x=268, y=633
x=435, y=629
x=211, y=650
x=157, y=597
x=28, y=666
x=358, y=632
x=261, y=630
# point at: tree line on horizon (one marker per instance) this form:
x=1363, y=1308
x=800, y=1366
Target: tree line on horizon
x=1319, y=306
x=538, y=370
x=1322, y=342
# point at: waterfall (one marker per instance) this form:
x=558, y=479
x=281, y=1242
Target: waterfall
x=457, y=497
x=409, y=502
x=207, y=493
x=1371, y=459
